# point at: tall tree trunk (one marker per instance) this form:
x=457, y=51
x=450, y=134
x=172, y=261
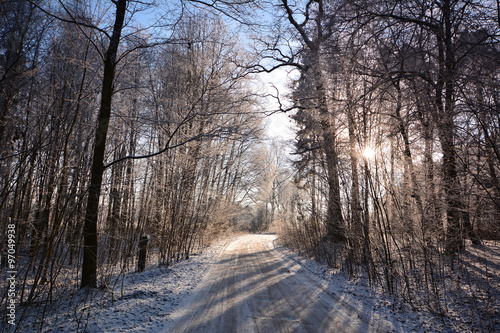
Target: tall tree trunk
x=89, y=264
x=334, y=219
x=445, y=109
x=356, y=224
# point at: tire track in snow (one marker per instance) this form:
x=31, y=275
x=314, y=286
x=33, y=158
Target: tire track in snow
x=253, y=288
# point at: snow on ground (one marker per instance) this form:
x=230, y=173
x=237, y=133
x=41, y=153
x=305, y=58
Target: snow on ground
x=143, y=302
x=359, y=295
x=140, y=302
x=476, y=290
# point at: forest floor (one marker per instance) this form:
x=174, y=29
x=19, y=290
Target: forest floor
x=247, y=283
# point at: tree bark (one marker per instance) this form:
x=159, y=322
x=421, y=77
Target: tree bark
x=445, y=119
x=89, y=265
x=334, y=219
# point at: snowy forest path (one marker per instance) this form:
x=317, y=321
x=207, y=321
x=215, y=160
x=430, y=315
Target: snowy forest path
x=254, y=288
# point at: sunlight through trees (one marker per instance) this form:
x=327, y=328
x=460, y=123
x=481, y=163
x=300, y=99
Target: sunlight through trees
x=121, y=119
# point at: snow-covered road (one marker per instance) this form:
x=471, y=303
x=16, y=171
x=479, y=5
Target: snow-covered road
x=252, y=287
x=251, y=283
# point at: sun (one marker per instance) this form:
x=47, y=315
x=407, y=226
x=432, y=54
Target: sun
x=369, y=153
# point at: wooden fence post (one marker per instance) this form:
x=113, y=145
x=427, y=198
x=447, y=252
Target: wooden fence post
x=143, y=249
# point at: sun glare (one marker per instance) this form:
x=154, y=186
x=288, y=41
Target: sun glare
x=369, y=153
